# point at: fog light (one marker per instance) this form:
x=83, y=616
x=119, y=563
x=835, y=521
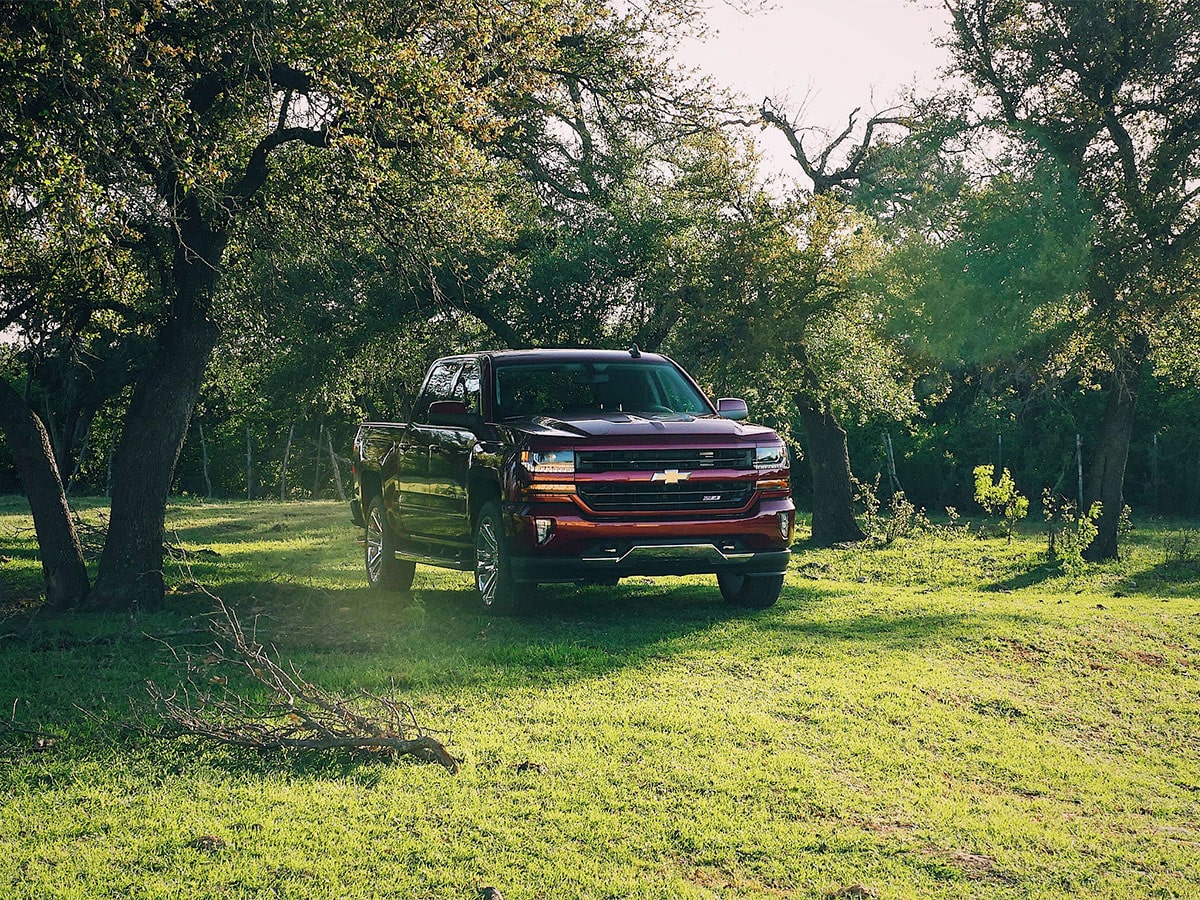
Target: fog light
x=545, y=529
x=785, y=525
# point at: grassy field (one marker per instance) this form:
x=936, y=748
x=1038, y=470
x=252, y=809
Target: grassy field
x=939, y=718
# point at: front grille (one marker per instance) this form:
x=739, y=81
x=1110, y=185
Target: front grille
x=648, y=496
x=682, y=458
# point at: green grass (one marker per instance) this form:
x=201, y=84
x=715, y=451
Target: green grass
x=932, y=719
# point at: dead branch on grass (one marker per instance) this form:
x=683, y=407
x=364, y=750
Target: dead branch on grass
x=39, y=740
x=297, y=715
x=91, y=534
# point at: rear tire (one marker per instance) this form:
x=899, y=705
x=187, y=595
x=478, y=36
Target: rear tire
x=498, y=593
x=750, y=591
x=384, y=571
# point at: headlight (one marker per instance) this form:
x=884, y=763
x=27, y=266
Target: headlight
x=770, y=456
x=549, y=462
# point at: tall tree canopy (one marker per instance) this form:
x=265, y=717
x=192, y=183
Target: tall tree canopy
x=152, y=131
x=1107, y=89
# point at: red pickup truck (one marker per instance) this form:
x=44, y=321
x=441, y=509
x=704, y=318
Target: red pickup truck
x=538, y=466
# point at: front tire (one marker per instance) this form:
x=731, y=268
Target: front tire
x=750, y=591
x=498, y=593
x=384, y=571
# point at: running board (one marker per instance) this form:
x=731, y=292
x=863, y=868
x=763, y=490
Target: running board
x=439, y=561
x=425, y=559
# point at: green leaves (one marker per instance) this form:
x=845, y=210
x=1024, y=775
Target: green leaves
x=1000, y=498
x=1004, y=276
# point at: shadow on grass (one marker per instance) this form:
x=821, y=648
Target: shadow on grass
x=434, y=636
x=432, y=648
x=909, y=631
x=1022, y=580
x=1175, y=576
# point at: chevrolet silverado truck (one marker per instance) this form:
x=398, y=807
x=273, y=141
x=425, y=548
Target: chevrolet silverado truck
x=542, y=466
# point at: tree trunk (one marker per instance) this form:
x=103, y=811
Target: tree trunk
x=1106, y=480
x=204, y=463
x=249, y=464
x=829, y=459
x=144, y=465
x=58, y=544
x=79, y=460
x=54, y=433
x=317, y=461
x=287, y=452
x=131, y=565
x=337, y=473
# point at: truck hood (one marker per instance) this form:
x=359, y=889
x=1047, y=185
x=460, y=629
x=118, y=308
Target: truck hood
x=618, y=428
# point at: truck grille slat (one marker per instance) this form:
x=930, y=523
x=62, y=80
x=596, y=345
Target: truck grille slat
x=652, y=496
x=654, y=460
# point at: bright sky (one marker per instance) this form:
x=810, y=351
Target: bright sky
x=829, y=55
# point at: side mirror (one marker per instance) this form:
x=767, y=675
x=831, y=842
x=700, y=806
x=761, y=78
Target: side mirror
x=732, y=408
x=451, y=413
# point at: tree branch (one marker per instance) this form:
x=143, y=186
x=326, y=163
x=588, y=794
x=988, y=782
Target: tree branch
x=255, y=174
x=299, y=714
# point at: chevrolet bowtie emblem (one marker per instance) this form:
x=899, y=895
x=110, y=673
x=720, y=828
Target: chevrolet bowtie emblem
x=671, y=476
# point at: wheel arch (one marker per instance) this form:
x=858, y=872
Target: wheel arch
x=370, y=486
x=481, y=490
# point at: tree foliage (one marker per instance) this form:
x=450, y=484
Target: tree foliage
x=1105, y=90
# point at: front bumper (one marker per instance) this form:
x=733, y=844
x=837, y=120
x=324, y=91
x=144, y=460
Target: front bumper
x=584, y=548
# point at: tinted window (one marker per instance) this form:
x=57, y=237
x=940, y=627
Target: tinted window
x=467, y=388
x=439, y=386
x=648, y=389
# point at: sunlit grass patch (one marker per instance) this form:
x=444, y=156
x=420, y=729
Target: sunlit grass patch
x=926, y=720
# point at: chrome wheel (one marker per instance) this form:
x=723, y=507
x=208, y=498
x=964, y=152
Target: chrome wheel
x=374, y=545
x=487, y=566
x=498, y=593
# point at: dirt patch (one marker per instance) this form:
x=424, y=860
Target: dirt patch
x=884, y=826
x=852, y=892
x=1024, y=651
x=977, y=866
x=1157, y=660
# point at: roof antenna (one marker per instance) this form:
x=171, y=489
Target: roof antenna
x=635, y=352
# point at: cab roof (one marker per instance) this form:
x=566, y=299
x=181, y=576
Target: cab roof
x=569, y=355
x=556, y=355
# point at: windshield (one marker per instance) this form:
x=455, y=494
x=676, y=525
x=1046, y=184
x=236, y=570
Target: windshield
x=585, y=388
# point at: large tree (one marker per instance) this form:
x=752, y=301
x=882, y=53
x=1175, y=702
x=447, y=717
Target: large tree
x=784, y=312
x=167, y=123
x=834, y=167
x=1107, y=89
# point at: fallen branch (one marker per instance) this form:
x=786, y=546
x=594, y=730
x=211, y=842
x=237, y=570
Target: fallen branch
x=298, y=714
x=91, y=534
x=42, y=737
x=42, y=740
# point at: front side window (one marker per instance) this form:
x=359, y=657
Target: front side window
x=466, y=389
x=585, y=388
x=438, y=386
